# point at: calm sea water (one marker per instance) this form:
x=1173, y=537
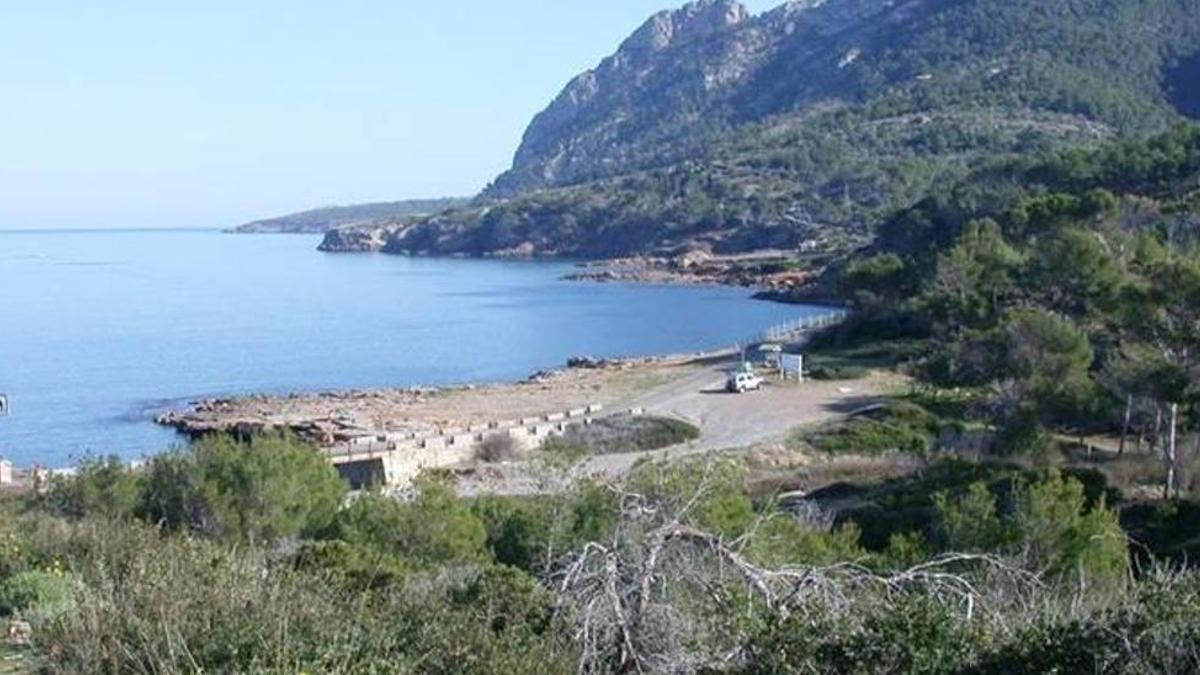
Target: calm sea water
x=102, y=329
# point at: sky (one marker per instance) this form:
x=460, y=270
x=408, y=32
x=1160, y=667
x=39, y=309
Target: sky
x=210, y=113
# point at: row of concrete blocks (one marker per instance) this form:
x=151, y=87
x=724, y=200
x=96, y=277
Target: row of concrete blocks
x=471, y=434
x=403, y=461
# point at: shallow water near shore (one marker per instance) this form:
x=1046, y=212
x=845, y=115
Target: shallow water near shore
x=101, y=329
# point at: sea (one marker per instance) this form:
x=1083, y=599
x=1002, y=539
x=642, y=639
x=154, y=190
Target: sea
x=102, y=330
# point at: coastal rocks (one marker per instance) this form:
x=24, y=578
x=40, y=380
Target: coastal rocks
x=322, y=418
x=545, y=376
x=358, y=239
x=775, y=274
x=586, y=363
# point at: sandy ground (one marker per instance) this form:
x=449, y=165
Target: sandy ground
x=754, y=420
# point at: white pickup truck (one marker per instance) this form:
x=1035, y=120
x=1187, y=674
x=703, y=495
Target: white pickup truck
x=742, y=381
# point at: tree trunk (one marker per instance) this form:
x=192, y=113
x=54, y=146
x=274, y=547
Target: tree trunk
x=1125, y=425
x=1172, y=458
x=1158, y=420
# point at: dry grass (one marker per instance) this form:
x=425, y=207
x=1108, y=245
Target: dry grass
x=819, y=472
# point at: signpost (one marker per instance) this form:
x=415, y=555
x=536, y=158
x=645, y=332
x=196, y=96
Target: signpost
x=792, y=365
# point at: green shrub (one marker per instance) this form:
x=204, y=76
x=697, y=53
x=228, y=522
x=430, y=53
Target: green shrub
x=621, y=433
x=869, y=437
x=270, y=488
x=1155, y=628
x=100, y=486
x=155, y=603
x=436, y=528
x=1023, y=435
x=896, y=427
x=37, y=595
x=783, y=540
x=1049, y=523
x=837, y=373
x=1167, y=530
x=593, y=513
x=173, y=494
x=908, y=505
x=560, y=452
x=520, y=531
x=908, y=633
x=714, y=491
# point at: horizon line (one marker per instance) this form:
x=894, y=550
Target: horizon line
x=81, y=230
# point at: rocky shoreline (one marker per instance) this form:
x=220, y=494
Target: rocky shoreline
x=776, y=276
x=329, y=418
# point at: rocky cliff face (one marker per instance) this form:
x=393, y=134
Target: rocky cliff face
x=363, y=239
x=803, y=127
x=709, y=65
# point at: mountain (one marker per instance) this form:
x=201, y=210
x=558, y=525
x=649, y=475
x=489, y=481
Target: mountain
x=713, y=129
x=327, y=218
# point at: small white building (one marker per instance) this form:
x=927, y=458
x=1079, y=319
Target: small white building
x=6, y=472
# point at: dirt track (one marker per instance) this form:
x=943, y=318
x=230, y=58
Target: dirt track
x=740, y=420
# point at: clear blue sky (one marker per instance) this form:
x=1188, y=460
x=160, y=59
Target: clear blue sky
x=123, y=113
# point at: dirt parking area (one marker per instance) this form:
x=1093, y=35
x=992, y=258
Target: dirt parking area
x=755, y=420
x=729, y=420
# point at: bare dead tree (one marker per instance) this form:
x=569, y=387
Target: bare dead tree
x=619, y=593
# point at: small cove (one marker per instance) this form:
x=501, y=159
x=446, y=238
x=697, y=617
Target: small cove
x=101, y=328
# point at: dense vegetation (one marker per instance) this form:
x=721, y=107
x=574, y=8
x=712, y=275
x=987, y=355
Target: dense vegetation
x=1057, y=299
x=676, y=569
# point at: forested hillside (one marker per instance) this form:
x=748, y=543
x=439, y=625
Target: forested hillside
x=1062, y=296
x=317, y=221
x=710, y=128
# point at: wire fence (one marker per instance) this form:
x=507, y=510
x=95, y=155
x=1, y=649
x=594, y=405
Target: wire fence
x=791, y=330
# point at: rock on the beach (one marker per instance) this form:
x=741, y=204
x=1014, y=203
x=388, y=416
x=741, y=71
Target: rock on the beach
x=585, y=363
